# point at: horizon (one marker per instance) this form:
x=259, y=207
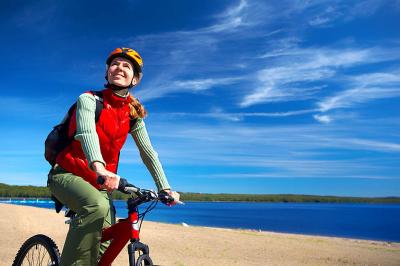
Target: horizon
x=255, y=194
x=249, y=97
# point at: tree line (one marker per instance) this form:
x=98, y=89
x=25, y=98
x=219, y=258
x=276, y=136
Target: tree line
x=11, y=191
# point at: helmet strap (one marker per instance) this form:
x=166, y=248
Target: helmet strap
x=118, y=90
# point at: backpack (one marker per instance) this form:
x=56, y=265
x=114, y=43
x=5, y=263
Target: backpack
x=58, y=138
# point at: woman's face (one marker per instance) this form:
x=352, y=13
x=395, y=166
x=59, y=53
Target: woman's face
x=121, y=72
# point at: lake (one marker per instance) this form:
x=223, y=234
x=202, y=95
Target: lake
x=361, y=221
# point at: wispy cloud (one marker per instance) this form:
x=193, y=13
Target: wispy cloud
x=329, y=13
x=230, y=19
x=324, y=67
x=389, y=78
x=288, y=71
x=366, y=87
x=203, y=84
x=375, y=145
x=295, y=151
x=351, y=97
x=194, y=85
x=231, y=116
x=322, y=118
x=196, y=59
x=248, y=176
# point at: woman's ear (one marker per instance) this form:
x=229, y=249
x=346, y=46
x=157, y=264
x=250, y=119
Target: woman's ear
x=135, y=81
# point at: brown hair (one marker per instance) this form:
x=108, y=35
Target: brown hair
x=137, y=109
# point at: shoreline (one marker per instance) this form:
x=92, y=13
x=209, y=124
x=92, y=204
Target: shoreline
x=173, y=244
x=244, y=201
x=48, y=201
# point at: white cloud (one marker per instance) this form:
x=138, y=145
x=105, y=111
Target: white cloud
x=375, y=145
x=303, y=66
x=280, y=175
x=274, y=94
x=323, y=118
x=351, y=97
x=329, y=14
x=377, y=79
x=320, y=151
x=219, y=114
x=195, y=59
x=365, y=8
x=231, y=19
x=203, y=84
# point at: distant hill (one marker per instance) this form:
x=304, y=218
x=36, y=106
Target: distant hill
x=10, y=191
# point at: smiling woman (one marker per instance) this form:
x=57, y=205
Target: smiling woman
x=121, y=73
x=93, y=152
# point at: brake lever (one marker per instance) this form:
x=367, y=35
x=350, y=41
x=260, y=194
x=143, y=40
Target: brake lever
x=123, y=186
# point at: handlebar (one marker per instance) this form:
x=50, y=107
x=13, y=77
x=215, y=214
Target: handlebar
x=146, y=195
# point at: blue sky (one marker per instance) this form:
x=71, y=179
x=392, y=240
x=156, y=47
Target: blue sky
x=244, y=96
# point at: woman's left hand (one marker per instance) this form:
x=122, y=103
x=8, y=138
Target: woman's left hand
x=174, y=195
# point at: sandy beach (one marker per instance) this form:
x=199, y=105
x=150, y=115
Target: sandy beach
x=179, y=245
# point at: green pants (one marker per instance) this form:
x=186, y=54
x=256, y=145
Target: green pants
x=94, y=211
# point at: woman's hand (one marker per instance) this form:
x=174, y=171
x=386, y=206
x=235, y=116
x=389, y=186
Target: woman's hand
x=174, y=195
x=111, y=180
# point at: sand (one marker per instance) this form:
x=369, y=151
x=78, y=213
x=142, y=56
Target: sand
x=179, y=245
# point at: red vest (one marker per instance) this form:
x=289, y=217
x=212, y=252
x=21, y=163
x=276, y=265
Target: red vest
x=112, y=128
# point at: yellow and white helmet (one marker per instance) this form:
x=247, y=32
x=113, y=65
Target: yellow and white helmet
x=131, y=55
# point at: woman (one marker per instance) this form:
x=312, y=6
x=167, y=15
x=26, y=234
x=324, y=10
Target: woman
x=94, y=152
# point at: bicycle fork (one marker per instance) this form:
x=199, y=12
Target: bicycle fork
x=134, y=246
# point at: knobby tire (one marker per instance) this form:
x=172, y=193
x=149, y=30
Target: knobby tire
x=38, y=250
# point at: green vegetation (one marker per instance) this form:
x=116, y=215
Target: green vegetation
x=283, y=198
x=8, y=191
x=23, y=191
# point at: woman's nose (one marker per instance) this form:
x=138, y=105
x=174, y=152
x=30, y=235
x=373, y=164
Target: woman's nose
x=119, y=66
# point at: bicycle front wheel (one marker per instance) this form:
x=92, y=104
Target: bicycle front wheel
x=143, y=260
x=38, y=250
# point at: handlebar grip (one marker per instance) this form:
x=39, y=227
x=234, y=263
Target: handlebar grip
x=121, y=186
x=101, y=180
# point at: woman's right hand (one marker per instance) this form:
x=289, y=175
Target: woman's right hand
x=111, y=180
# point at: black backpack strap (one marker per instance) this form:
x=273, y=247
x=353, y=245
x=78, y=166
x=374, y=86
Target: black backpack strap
x=71, y=110
x=98, y=95
x=132, y=123
x=57, y=204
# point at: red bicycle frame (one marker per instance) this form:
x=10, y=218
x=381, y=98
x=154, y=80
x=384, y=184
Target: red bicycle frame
x=119, y=234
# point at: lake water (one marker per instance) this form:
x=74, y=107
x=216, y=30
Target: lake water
x=362, y=221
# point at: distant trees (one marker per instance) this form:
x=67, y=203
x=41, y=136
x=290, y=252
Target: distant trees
x=8, y=191
x=283, y=198
x=23, y=191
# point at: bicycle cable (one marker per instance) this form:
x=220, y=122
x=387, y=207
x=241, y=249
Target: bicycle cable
x=149, y=208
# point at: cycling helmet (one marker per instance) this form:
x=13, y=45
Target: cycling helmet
x=132, y=56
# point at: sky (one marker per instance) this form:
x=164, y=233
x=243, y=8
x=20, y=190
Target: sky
x=244, y=96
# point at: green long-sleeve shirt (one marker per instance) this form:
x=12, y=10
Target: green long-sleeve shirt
x=87, y=135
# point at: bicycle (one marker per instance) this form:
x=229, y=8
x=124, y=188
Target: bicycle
x=42, y=250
